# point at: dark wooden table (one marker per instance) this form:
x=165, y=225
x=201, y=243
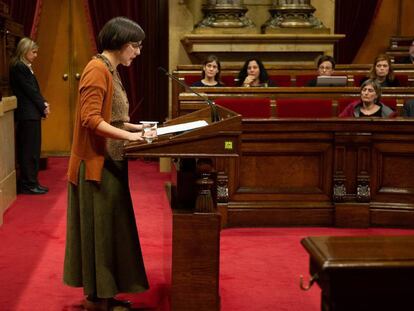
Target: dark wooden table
x=363, y=273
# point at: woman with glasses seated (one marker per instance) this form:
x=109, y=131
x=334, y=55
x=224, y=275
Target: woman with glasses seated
x=326, y=67
x=369, y=104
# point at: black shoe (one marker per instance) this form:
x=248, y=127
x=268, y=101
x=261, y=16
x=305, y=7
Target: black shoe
x=34, y=190
x=43, y=188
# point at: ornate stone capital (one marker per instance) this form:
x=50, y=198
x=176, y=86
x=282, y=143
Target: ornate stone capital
x=295, y=16
x=226, y=16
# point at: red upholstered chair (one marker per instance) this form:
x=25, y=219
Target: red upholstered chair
x=304, y=108
x=302, y=80
x=248, y=107
x=403, y=78
x=281, y=80
x=358, y=79
x=190, y=79
x=343, y=102
x=390, y=102
x=228, y=80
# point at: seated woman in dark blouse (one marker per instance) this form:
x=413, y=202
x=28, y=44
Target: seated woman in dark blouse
x=254, y=74
x=211, y=73
x=326, y=67
x=382, y=72
x=369, y=105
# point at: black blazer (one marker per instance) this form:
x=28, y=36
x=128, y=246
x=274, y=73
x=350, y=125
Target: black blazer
x=30, y=102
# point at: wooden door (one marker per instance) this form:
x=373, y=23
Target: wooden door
x=64, y=49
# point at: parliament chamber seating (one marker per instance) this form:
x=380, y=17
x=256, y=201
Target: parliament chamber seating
x=281, y=80
x=290, y=81
x=338, y=98
x=227, y=80
x=403, y=78
x=342, y=103
x=393, y=103
x=247, y=107
x=190, y=79
x=398, y=48
x=326, y=162
x=302, y=80
x=304, y=108
x=280, y=73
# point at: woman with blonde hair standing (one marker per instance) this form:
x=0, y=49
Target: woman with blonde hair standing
x=31, y=108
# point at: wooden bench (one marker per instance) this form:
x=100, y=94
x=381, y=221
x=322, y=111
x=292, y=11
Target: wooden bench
x=187, y=102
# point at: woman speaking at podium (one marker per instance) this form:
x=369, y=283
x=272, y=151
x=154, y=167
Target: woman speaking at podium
x=103, y=253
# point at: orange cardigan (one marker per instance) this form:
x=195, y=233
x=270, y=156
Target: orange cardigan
x=94, y=106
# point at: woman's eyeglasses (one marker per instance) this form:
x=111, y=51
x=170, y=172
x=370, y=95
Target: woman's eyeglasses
x=136, y=45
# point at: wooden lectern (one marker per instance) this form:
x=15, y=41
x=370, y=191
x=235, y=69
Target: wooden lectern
x=196, y=222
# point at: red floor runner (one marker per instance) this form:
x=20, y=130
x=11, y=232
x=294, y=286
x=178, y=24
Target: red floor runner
x=260, y=268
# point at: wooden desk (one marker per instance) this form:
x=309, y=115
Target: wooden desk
x=363, y=273
x=321, y=172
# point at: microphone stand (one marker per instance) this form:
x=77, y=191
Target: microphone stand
x=214, y=115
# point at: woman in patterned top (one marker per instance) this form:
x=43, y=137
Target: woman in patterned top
x=103, y=253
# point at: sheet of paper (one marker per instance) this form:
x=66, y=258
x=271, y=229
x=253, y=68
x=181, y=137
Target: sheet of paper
x=181, y=127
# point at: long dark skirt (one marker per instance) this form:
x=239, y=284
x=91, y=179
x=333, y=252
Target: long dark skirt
x=103, y=254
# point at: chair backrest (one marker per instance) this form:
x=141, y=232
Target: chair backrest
x=403, y=78
x=254, y=107
x=343, y=103
x=281, y=80
x=390, y=102
x=304, y=108
x=358, y=79
x=302, y=80
x=190, y=79
x=228, y=80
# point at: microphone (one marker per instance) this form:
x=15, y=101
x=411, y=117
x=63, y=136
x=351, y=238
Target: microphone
x=214, y=115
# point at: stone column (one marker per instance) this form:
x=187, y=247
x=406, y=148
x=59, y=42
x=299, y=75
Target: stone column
x=293, y=16
x=225, y=16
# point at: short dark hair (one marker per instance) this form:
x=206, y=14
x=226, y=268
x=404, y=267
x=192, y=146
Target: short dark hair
x=326, y=58
x=119, y=31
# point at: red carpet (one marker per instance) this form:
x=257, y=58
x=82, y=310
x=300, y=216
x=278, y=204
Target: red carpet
x=260, y=268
